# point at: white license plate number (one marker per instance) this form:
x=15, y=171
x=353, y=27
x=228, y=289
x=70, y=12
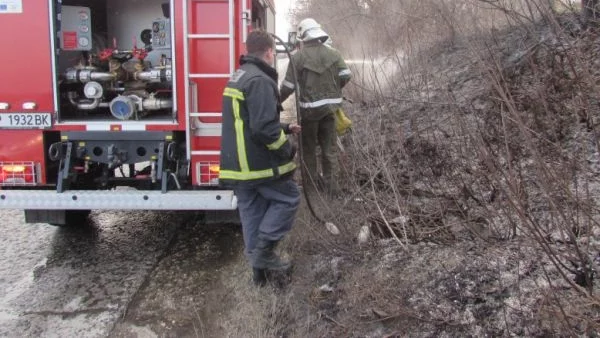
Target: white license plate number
x=26, y=120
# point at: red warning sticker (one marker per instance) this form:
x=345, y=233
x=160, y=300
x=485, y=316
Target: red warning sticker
x=69, y=40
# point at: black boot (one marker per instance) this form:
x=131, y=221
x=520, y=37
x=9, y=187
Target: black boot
x=259, y=277
x=265, y=257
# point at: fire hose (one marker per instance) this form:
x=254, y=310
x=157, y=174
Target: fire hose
x=303, y=171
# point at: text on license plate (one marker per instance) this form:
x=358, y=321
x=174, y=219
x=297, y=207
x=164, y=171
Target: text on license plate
x=25, y=120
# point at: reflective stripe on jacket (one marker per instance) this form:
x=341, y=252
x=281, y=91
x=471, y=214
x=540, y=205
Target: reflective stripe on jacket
x=254, y=147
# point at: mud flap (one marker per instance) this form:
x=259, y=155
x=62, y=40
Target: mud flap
x=222, y=216
x=57, y=217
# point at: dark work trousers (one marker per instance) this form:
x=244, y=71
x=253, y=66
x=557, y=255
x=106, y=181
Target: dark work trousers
x=267, y=211
x=320, y=133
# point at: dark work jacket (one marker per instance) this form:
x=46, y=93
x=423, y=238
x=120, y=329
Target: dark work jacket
x=254, y=145
x=322, y=73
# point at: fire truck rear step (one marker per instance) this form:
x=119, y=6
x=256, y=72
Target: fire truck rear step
x=118, y=200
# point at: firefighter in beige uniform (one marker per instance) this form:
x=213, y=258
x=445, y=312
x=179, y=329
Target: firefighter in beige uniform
x=322, y=73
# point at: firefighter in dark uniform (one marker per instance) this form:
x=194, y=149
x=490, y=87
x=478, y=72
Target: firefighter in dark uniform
x=322, y=73
x=257, y=157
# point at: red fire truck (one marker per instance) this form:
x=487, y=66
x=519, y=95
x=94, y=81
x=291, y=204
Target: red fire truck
x=116, y=104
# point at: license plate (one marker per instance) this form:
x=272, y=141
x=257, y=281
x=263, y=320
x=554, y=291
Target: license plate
x=26, y=120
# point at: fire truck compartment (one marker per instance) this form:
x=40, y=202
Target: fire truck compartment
x=114, y=60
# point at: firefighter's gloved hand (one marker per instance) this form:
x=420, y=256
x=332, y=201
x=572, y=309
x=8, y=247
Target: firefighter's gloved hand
x=294, y=128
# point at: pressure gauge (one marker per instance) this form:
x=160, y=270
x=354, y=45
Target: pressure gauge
x=93, y=90
x=84, y=42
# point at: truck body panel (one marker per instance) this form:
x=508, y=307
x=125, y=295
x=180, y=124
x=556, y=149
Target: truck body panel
x=114, y=105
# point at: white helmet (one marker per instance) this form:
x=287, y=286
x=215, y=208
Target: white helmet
x=309, y=29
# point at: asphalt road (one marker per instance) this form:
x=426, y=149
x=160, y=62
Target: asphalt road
x=98, y=279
